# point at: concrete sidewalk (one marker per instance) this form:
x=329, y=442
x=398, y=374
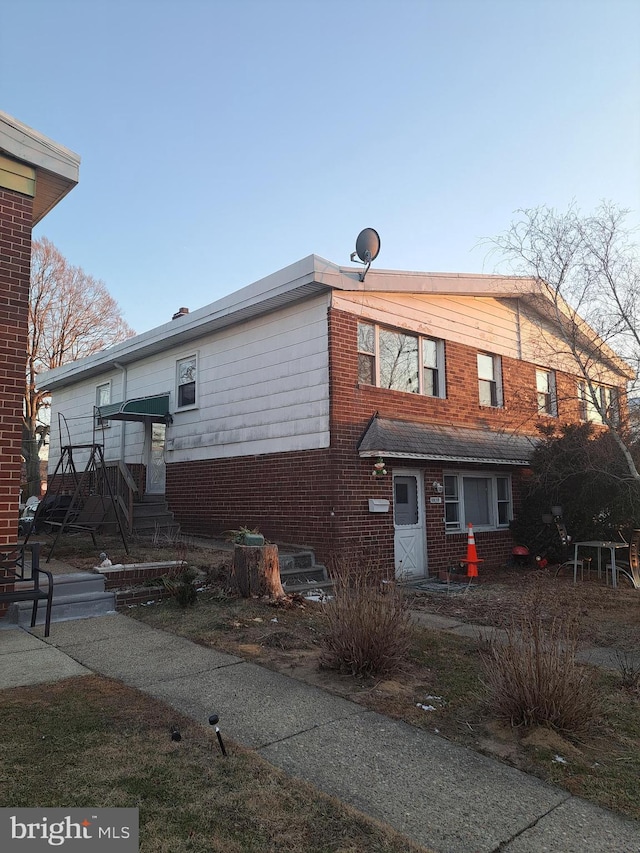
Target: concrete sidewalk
x=443, y=796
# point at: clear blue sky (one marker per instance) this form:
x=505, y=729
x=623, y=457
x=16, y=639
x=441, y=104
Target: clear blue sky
x=222, y=140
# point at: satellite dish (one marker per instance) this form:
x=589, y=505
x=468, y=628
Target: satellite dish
x=367, y=248
x=368, y=245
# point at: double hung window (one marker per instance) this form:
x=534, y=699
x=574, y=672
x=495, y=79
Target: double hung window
x=602, y=403
x=400, y=360
x=489, y=380
x=483, y=500
x=103, y=398
x=186, y=375
x=546, y=393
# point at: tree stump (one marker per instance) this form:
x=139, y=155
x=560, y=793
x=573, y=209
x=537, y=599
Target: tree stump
x=256, y=571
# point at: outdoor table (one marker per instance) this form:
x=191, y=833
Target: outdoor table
x=599, y=546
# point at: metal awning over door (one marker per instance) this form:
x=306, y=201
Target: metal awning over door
x=154, y=409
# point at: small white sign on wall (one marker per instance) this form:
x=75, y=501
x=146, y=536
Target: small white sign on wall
x=435, y=500
x=378, y=505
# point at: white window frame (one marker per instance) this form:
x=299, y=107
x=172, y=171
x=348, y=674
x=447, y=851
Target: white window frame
x=495, y=380
x=549, y=404
x=460, y=523
x=102, y=423
x=180, y=361
x=374, y=356
x=608, y=398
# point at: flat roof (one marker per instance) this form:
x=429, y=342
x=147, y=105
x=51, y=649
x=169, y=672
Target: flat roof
x=57, y=168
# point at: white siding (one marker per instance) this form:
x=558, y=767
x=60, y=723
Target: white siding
x=262, y=387
x=499, y=325
x=482, y=322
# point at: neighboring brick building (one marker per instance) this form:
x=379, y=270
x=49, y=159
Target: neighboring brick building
x=35, y=174
x=272, y=407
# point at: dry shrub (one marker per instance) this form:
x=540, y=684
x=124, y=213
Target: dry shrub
x=368, y=626
x=533, y=677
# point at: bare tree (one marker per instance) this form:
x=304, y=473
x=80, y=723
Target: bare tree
x=586, y=269
x=71, y=315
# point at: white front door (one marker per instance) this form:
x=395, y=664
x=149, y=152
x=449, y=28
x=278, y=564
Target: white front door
x=156, y=467
x=409, y=525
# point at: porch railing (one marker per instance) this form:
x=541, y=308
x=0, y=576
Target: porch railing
x=123, y=487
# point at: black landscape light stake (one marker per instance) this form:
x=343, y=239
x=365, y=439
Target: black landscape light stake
x=213, y=721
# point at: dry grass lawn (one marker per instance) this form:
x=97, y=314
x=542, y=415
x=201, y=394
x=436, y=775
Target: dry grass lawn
x=439, y=686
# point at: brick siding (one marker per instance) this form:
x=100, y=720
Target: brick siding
x=15, y=264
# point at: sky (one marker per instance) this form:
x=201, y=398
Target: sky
x=222, y=140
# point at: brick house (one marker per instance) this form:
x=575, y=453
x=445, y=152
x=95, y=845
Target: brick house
x=371, y=418
x=35, y=174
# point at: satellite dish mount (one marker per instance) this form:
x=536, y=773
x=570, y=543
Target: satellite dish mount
x=367, y=249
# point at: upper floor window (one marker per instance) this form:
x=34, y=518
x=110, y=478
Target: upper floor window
x=603, y=403
x=483, y=500
x=546, y=392
x=103, y=398
x=186, y=381
x=489, y=380
x=400, y=361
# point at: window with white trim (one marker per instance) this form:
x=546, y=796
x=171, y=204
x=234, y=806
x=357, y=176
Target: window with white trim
x=483, y=500
x=489, y=380
x=606, y=403
x=546, y=393
x=186, y=375
x=103, y=398
x=402, y=361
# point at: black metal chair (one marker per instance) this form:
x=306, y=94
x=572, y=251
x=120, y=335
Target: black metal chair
x=23, y=577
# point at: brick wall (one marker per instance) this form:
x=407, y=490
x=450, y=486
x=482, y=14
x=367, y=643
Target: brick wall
x=15, y=265
x=320, y=498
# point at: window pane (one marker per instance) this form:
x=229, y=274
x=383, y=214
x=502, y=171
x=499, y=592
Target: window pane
x=187, y=394
x=485, y=366
x=429, y=353
x=366, y=374
x=503, y=513
x=476, y=500
x=186, y=371
x=103, y=395
x=430, y=382
x=502, y=484
x=366, y=338
x=398, y=361
x=487, y=393
x=451, y=487
x=543, y=381
x=451, y=515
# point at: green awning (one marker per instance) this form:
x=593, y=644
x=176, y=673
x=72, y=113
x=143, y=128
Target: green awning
x=154, y=409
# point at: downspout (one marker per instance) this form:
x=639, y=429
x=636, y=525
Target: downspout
x=123, y=428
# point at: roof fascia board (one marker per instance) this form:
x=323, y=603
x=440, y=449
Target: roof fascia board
x=446, y=284
x=441, y=457
x=26, y=144
x=291, y=284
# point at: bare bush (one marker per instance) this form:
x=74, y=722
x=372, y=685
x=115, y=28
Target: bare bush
x=368, y=626
x=533, y=677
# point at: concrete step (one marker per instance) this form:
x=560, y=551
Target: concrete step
x=295, y=575
x=78, y=583
x=64, y=608
x=303, y=588
x=298, y=560
x=146, y=510
x=300, y=573
x=75, y=596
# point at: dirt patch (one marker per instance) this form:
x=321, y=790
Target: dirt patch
x=607, y=617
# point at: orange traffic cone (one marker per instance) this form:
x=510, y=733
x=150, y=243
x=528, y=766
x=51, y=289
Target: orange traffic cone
x=472, y=558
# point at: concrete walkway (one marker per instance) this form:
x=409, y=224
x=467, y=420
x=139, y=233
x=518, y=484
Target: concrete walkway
x=445, y=797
